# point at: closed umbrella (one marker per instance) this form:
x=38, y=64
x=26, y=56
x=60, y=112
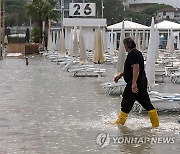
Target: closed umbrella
x=83, y=54
x=178, y=41
x=170, y=45
x=111, y=43
x=99, y=50
x=49, y=37
x=62, y=44
x=75, y=51
x=151, y=54
x=87, y=41
x=157, y=42
x=121, y=53
x=70, y=42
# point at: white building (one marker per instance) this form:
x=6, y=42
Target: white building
x=170, y=13
x=88, y=25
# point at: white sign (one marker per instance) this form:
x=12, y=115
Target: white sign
x=82, y=9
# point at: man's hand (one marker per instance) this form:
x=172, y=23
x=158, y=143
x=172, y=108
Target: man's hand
x=117, y=78
x=134, y=87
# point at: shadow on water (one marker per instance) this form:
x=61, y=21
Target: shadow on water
x=128, y=137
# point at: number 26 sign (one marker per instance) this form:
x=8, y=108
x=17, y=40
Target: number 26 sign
x=82, y=9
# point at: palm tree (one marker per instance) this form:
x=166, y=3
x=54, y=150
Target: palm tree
x=40, y=11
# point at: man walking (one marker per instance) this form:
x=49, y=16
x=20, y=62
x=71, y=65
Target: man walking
x=136, y=88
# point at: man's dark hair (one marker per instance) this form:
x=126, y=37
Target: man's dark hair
x=129, y=42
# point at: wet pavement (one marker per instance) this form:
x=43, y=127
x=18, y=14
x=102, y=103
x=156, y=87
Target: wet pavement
x=44, y=110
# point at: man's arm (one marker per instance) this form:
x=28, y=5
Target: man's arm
x=118, y=77
x=135, y=77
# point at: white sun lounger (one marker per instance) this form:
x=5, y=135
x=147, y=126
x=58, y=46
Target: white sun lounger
x=160, y=74
x=84, y=71
x=67, y=64
x=112, y=86
x=157, y=97
x=175, y=77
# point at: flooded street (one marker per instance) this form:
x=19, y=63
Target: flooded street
x=45, y=110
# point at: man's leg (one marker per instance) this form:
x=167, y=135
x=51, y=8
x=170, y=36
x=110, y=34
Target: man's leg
x=126, y=106
x=144, y=100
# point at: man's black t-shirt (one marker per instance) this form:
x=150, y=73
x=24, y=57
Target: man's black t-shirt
x=134, y=57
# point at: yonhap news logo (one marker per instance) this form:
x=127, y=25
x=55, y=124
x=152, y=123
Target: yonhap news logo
x=104, y=139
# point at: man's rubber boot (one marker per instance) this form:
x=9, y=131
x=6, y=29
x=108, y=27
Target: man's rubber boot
x=153, y=115
x=121, y=118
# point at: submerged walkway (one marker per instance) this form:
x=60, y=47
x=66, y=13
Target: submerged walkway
x=44, y=110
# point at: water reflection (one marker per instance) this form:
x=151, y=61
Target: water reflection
x=48, y=110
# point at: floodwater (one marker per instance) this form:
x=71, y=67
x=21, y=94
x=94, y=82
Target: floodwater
x=45, y=110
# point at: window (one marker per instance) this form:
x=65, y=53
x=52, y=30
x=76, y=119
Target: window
x=164, y=13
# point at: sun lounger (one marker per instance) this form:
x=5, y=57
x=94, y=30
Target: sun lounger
x=87, y=71
x=159, y=100
x=112, y=86
x=160, y=74
x=171, y=70
x=175, y=77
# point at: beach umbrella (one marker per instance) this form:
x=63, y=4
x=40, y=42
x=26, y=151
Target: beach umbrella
x=62, y=44
x=143, y=40
x=87, y=41
x=70, y=42
x=66, y=38
x=151, y=55
x=121, y=53
x=99, y=50
x=49, y=37
x=157, y=42
x=170, y=44
x=95, y=38
x=53, y=41
x=75, y=51
x=178, y=41
x=108, y=35
x=111, y=51
x=83, y=54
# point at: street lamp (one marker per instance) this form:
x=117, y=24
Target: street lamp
x=102, y=3
x=112, y=21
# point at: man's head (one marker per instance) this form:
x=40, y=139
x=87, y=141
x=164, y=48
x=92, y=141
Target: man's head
x=129, y=44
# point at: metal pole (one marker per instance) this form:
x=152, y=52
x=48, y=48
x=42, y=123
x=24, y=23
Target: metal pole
x=62, y=11
x=102, y=3
x=0, y=30
x=3, y=24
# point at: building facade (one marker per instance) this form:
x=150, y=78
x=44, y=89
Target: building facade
x=170, y=13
